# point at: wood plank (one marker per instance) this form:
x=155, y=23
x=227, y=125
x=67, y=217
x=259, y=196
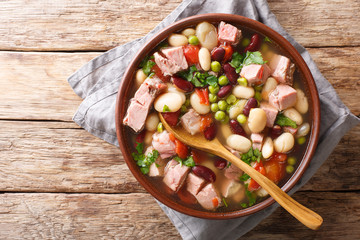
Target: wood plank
x=101, y=25
x=61, y=157
x=137, y=216
x=23, y=74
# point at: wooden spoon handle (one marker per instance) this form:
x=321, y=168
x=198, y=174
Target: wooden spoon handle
x=306, y=216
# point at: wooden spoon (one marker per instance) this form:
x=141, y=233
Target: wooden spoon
x=304, y=215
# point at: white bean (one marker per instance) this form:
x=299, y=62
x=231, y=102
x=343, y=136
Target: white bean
x=301, y=104
x=148, y=138
x=269, y=86
x=188, y=32
x=173, y=89
x=261, y=192
x=303, y=130
x=198, y=107
x=246, y=128
x=243, y=92
x=236, y=109
x=140, y=77
x=284, y=143
x=268, y=148
x=204, y=59
x=177, y=40
x=257, y=120
x=151, y=122
x=224, y=131
x=207, y=35
x=239, y=143
x=294, y=115
x=173, y=101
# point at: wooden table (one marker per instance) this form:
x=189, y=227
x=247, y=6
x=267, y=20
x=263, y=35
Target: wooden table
x=58, y=181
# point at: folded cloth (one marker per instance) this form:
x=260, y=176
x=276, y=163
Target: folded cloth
x=97, y=83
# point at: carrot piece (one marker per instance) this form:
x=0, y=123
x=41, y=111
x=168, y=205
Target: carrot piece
x=252, y=184
x=172, y=137
x=205, y=122
x=181, y=149
x=215, y=202
x=203, y=94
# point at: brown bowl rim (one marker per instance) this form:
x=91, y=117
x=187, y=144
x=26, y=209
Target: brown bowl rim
x=190, y=21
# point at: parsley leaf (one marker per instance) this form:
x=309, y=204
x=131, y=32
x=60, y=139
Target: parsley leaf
x=267, y=39
x=251, y=196
x=166, y=108
x=244, y=205
x=253, y=58
x=139, y=147
x=251, y=156
x=197, y=78
x=244, y=177
x=189, y=162
x=282, y=121
x=237, y=61
x=143, y=161
x=225, y=203
x=147, y=65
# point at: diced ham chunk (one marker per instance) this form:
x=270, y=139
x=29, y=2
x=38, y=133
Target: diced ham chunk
x=291, y=130
x=255, y=73
x=209, y=198
x=257, y=140
x=177, y=56
x=174, y=61
x=162, y=143
x=270, y=112
x=228, y=33
x=230, y=187
x=233, y=172
x=283, y=97
x=175, y=175
x=191, y=121
x=194, y=183
x=141, y=103
x=281, y=69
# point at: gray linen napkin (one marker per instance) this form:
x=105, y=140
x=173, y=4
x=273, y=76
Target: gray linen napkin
x=97, y=83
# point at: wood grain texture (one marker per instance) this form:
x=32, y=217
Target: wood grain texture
x=34, y=85
x=118, y=216
x=101, y=25
x=61, y=157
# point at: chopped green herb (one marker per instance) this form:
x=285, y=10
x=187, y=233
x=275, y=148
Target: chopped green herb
x=282, y=121
x=251, y=196
x=225, y=203
x=143, y=161
x=189, y=162
x=151, y=75
x=251, y=156
x=166, y=108
x=147, y=65
x=266, y=39
x=238, y=60
x=244, y=177
x=244, y=205
x=197, y=78
x=139, y=147
x=229, y=164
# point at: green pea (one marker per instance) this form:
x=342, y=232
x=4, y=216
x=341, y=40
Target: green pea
x=241, y=118
x=215, y=66
x=212, y=98
x=223, y=80
x=193, y=40
x=289, y=169
x=228, y=108
x=231, y=99
x=291, y=160
x=187, y=102
x=219, y=115
x=222, y=105
x=301, y=140
x=214, y=90
x=160, y=127
x=183, y=109
x=242, y=81
x=258, y=96
x=258, y=88
x=245, y=42
x=214, y=107
x=225, y=120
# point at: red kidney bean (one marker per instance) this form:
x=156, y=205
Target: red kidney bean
x=251, y=103
x=230, y=73
x=183, y=84
x=255, y=43
x=225, y=90
x=236, y=128
x=204, y=172
x=220, y=163
x=217, y=54
x=210, y=132
x=140, y=137
x=275, y=131
x=171, y=117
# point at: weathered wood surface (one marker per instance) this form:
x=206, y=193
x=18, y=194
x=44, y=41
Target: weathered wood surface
x=101, y=25
x=40, y=79
x=61, y=157
x=118, y=216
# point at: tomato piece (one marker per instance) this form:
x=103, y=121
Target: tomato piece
x=280, y=157
x=228, y=52
x=215, y=202
x=171, y=118
x=205, y=122
x=203, y=94
x=186, y=197
x=191, y=53
x=172, y=137
x=181, y=149
x=252, y=184
x=155, y=69
x=275, y=170
x=140, y=137
x=198, y=156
